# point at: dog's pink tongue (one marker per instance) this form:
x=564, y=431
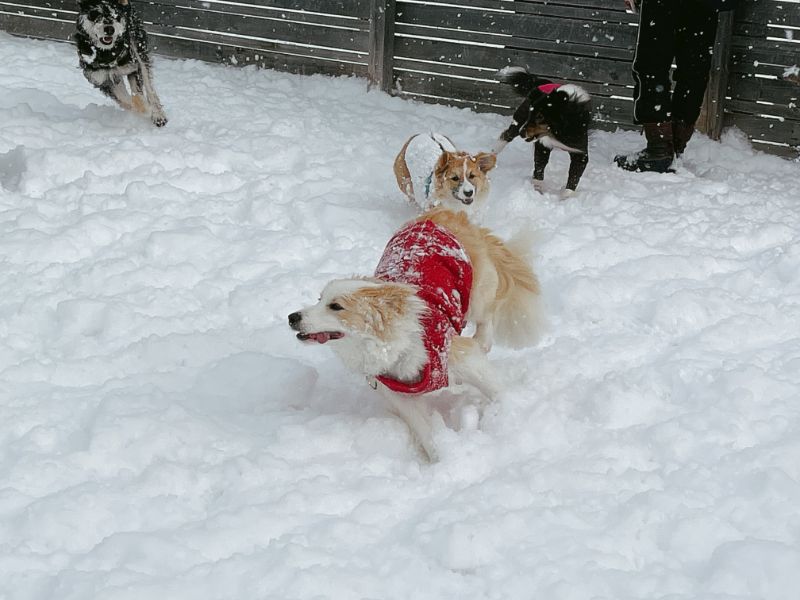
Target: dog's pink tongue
x=322, y=337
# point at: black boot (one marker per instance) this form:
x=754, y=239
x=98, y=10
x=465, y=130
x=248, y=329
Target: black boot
x=658, y=155
x=681, y=134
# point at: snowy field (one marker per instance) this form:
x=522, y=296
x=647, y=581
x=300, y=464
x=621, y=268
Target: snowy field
x=163, y=435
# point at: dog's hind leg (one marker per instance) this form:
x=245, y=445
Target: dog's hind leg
x=418, y=415
x=468, y=364
x=137, y=97
x=577, y=165
x=541, y=156
x=157, y=114
x=484, y=335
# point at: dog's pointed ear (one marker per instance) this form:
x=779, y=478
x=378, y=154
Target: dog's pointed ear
x=441, y=164
x=486, y=161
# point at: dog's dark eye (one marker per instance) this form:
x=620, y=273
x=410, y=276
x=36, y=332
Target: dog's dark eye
x=455, y=178
x=94, y=15
x=472, y=175
x=335, y=306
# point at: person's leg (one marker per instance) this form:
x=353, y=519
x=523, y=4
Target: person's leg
x=696, y=29
x=655, y=49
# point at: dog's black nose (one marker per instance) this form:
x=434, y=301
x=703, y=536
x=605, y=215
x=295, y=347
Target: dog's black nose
x=295, y=318
x=108, y=30
x=468, y=193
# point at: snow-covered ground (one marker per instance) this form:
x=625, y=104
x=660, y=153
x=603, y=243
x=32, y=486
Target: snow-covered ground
x=163, y=434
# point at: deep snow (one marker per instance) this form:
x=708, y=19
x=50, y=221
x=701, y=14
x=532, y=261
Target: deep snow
x=163, y=434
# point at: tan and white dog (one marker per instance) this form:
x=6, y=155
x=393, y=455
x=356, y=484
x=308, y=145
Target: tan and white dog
x=432, y=173
x=401, y=328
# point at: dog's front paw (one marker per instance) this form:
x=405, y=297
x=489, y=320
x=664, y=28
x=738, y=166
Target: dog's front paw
x=158, y=118
x=538, y=185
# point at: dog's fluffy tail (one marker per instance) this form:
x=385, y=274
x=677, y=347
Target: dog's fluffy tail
x=518, y=317
x=519, y=79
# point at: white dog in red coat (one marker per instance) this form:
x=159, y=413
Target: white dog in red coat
x=401, y=328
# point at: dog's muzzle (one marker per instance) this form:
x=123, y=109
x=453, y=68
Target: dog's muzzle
x=321, y=337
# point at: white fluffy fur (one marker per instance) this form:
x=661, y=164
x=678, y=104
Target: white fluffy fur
x=575, y=92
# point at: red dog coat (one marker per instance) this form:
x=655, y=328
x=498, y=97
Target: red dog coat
x=429, y=257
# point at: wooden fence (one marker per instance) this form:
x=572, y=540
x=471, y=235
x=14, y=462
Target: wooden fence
x=447, y=51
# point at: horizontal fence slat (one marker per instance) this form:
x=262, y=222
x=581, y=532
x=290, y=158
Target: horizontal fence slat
x=762, y=59
x=349, y=8
x=611, y=12
x=558, y=47
x=776, y=91
x=250, y=9
x=175, y=18
x=611, y=5
x=569, y=68
x=768, y=12
x=589, y=12
x=37, y=27
x=519, y=25
x=763, y=129
x=158, y=34
x=754, y=108
x=262, y=57
x=62, y=8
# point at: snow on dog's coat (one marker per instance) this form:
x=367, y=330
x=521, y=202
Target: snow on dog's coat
x=431, y=172
x=401, y=327
x=428, y=257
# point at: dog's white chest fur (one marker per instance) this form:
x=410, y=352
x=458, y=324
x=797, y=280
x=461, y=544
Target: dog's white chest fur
x=421, y=155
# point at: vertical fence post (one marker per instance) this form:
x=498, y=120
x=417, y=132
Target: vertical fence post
x=381, y=44
x=713, y=111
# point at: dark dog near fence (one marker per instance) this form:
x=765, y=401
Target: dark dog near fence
x=112, y=47
x=552, y=116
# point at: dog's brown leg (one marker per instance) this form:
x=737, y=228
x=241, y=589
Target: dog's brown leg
x=116, y=89
x=137, y=99
x=157, y=114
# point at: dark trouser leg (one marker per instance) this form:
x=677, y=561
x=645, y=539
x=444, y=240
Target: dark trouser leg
x=695, y=30
x=577, y=165
x=541, y=156
x=655, y=50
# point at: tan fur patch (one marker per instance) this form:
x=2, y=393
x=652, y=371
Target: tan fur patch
x=536, y=130
x=496, y=270
x=373, y=310
x=138, y=104
x=401, y=172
